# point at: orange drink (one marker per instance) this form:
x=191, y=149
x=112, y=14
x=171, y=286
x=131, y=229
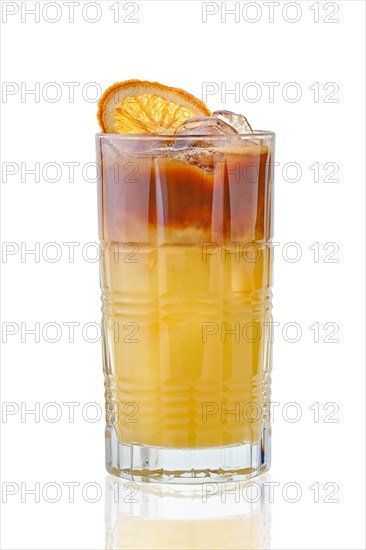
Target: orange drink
x=185, y=229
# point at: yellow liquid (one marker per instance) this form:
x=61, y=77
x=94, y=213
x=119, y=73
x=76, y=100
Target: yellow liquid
x=186, y=304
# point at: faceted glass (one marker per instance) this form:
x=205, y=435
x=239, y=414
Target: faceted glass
x=185, y=225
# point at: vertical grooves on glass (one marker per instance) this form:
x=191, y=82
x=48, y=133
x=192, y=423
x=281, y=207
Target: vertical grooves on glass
x=156, y=192
x=224, y=201
x=168, y=293
x=268, y=209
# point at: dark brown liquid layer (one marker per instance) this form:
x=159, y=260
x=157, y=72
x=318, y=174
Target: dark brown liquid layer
x=164, y=199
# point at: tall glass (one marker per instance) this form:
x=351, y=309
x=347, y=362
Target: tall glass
x=185, y=226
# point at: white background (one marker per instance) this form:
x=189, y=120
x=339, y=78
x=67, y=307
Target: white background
x=170, y=43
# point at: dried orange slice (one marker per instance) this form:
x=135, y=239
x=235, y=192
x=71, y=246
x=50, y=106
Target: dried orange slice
x=141, y=107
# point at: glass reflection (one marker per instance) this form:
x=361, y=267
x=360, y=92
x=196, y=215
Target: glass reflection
x=209, y=516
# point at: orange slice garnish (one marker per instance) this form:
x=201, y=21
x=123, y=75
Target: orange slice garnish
x=141, y=107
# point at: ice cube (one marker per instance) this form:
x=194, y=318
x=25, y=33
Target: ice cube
x=205, y=126
x=239, y=122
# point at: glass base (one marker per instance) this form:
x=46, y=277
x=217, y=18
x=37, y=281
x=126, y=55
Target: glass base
x=187, y=466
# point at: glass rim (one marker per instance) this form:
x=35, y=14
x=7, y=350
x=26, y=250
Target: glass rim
x=162, y=137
